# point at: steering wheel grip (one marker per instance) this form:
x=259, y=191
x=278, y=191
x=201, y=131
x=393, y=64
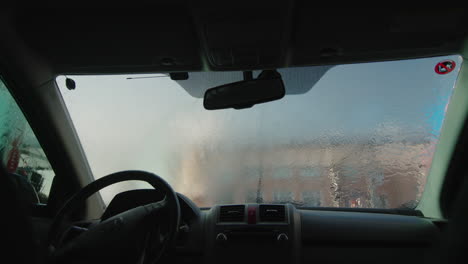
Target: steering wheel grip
x=171, y=201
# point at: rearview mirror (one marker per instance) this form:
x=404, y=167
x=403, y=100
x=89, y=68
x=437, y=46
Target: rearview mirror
x=244, y=94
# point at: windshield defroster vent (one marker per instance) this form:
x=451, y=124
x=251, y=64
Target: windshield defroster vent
x=272, y=213
x=232, y=213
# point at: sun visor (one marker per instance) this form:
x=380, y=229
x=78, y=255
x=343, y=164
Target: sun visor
x=296, y=80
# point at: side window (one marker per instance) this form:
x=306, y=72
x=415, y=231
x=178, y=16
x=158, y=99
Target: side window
x=20, y=152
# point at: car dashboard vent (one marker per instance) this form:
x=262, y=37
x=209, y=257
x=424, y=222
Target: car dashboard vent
x=272, y=213
x=232, y=213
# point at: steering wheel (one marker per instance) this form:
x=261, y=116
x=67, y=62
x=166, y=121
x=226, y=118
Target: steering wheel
x=139, y=235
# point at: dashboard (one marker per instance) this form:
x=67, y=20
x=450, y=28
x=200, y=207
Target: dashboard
x=282, y=233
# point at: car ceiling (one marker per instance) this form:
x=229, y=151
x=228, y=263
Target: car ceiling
x=174, y=36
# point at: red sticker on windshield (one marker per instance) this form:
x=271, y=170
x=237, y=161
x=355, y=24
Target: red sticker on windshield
x=445, y=67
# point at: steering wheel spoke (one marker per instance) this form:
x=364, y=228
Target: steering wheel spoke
x=157, y=206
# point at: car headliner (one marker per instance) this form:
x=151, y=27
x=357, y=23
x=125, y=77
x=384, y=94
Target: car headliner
x=175, y=36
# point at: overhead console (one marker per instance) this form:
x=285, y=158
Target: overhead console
x=252, y=233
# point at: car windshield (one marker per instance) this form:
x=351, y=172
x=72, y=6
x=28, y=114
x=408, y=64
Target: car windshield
x=356, y=135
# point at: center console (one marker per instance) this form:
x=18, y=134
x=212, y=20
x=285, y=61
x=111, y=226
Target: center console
x=252, y=233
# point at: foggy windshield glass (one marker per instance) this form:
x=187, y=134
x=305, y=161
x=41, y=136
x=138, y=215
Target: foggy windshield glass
x=359, y=135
